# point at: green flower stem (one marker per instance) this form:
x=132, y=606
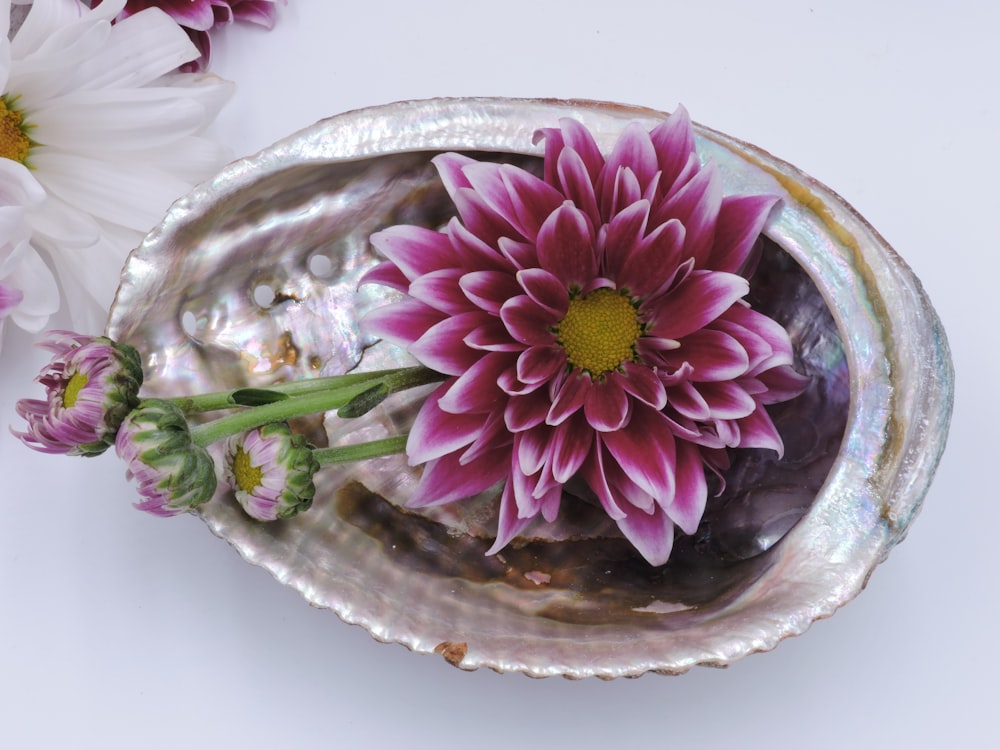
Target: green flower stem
x=344, y=453
x=225, y=399
x=303, y=404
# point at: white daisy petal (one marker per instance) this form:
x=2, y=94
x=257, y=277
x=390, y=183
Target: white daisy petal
x=117, y=119
x=116, y=138
x=141, y=48
x=120, y=192
x=36, y=282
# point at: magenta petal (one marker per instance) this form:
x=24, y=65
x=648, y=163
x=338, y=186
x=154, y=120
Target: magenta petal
x=643, y=383
x=621, y=193
x=479, y=220
x=757, y=349
x=696, y=302
x=594, y=474
x=691, y=492
x=726, y=399
x=769, y=330
x=758, y=431
x=635, y=152
x=524, y=412
x=199, y=15
x=489, y=289
x=646, y=451
x=531, y=448
x=713, y=355
x=654, y=261
x=511, y=385
x=570, y=445
x=446, y=480
x=440, y=290
x=519, y=254
x=442, y=348
x=606, y=405
x=651, y=534
x=740, y=222
x=388, y=274
x=416, y=250
x=697, y=206
x=623, y=489
x=402, y=322
x=493, y=434
x=566, y=246
x=449, y=167
x=782, y=384
x=509, y=524
x=686, y=399
x=261, y=12
x=674, y=144
x=473, y=253
x=550, y=502
x=523, y=200
x=533, y=199
x=624, y=233
x=492, y=336
x=476, y=389
x=435, y=432
x=527, y=321
x=575, y=136
x=540, y=363
x=569, y=397
x=545, y=289
x=577, y=184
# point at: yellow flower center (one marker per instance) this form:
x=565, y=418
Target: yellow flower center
x=599, y=331
x=71, y=392
x=248, y=476
x=14, y=141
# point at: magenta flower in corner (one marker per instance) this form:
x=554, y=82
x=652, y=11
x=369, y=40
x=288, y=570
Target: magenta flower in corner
x=199, y=17
x=91, y=385
x=592, y=325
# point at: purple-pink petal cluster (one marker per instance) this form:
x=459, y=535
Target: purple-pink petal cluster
x=91, y=384
x=172, y=473
x=198, y=17
x=592, y=324
x=270, y=469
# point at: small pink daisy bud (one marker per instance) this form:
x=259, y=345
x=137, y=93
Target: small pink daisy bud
x=91, y=385
x=271, y=471
x=173, y=473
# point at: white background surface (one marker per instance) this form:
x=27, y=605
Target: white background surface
x=118, y=630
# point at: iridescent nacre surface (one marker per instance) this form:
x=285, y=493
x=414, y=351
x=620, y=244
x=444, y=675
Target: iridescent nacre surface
x=252, y=278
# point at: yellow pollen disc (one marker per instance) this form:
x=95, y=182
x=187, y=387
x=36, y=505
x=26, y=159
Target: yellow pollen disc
x=14, y=142
x=248, y=476
x=71, y=392
x=599, y=331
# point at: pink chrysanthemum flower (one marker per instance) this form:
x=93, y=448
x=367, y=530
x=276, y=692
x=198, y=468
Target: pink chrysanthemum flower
x=172, y=473
x=271, y=471
x=592, y=325
x=198, y=17
x=91, y=385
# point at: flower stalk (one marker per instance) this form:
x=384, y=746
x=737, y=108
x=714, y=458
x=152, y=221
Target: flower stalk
x=307, y=401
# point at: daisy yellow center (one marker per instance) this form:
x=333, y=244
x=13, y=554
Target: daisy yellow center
x=14, y=142
x=248, y=476
x=599, y=331
x=71, y=392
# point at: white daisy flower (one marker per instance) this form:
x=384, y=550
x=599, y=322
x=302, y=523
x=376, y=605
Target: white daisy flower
x=108, y=130
x=28, y=291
